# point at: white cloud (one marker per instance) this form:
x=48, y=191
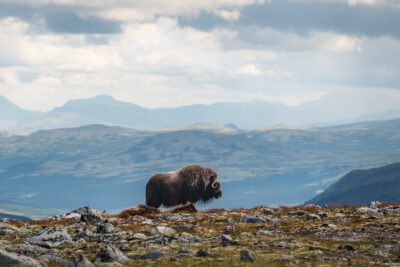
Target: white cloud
x=9, y=76
x=29, y=195
x=248, y=69
x=230, y=15
x=137, y=10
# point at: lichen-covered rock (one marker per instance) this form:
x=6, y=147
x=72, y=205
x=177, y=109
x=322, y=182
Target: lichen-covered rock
x=155, y=254
x=253, y=219
x=110, y=254
x=81, y=261
x=51, y=237
x=246, y=256
x=10, y=259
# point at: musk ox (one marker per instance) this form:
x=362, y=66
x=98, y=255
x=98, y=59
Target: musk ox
x=192, y=183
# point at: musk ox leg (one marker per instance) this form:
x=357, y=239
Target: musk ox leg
x=153, y=199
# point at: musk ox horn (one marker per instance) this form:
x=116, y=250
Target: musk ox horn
x=214, y=184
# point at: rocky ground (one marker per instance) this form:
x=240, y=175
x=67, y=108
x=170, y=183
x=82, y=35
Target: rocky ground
x=262, y=236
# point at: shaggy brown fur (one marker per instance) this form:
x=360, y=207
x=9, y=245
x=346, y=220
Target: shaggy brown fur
x=187, y=208
x=139, y=210
x=192, y=183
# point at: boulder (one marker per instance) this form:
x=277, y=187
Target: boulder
x=11, y=259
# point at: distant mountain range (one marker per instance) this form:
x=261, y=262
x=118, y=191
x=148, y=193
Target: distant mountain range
x=363, y=186
x=108, y=111
x=108, y=167
x=12, y=216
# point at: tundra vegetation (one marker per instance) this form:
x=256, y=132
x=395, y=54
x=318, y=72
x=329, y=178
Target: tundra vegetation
x=261, y=236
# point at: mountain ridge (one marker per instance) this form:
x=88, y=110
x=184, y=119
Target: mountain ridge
x=362, y=186
x=106, y=110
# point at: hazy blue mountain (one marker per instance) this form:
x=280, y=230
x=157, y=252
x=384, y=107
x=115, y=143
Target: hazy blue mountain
x=387, y=125
x=108, y=111
x=15, y=211
x=12, y=216
x=363, y=186
x=11, y=113
x=108, y=167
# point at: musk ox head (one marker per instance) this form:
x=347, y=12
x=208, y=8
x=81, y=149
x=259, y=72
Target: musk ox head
x=192, y=183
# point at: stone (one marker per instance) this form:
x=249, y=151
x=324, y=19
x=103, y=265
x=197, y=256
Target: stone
x=301, y=212
x=246, y=256
x=282, y=244
x=181, y=227
x=154, y=254
x=11, y=259
x=203, y=253
x=229, y=229
x=110, y=254
x=253, y=219
x=137, y=236
x=89, y=214
x=185, y=252
x=58, y=260
x=226, y=238
x=51, y=237
x=346, y=247
x=81, y=261
x=312, y=216
x=190, y=238
x=6, y=231
x=164, y=230
x=105, y=229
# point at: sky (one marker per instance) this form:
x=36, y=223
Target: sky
x=159, y=53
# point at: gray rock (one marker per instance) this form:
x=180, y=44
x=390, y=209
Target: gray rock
x=164, y=230
x=229, y=229
x=190, y=238
x=181, y=227
x=346, y=247
x=6, y=231
x=59, y=260
x=312, y=216
x=185, y=252
x=80, y=261
x=105, y=229
x=52, y=237
x=246, y=256
x=253, y=219
x=282, y=244
x=301, y=212
x=32, y=250
x=368, y=211
x=226, y=238
x=137, y=236
x=155, y=254
x=110, y=254
x=203, y=253
x=84, y=214
x=10, y=259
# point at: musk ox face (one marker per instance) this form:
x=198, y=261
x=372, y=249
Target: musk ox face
x=213, y=189
x=192, y=183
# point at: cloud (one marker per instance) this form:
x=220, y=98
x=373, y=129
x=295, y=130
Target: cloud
x=29, y=195
x=143, y=52
x=229, y=15
x=319, y=191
